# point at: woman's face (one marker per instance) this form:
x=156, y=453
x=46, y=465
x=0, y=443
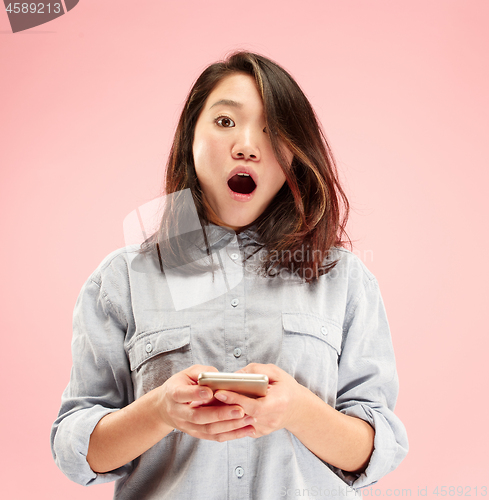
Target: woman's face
x=234, y=161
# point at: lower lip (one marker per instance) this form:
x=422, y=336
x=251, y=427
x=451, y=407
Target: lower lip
x=240, y=196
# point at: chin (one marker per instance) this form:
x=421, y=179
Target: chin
x=238, y=221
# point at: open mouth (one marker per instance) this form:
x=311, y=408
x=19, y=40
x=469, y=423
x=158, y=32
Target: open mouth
x=242, y=183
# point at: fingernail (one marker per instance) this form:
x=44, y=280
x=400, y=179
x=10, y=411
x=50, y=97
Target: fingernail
x=251, y=433
x=203, y=395
x=236, y=414
x=221, y=397
x=249, y=420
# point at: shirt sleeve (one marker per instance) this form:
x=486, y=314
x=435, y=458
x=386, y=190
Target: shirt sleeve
x=100, y=382
x=368, y=384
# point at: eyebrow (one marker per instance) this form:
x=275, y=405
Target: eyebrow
x=227, y=102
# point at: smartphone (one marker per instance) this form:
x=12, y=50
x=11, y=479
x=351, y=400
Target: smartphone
x=252, y=385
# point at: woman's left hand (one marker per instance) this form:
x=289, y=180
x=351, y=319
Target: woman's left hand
x=280, y=408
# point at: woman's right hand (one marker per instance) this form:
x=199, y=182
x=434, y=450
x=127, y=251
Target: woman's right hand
x=180, y=403
x=191, y=408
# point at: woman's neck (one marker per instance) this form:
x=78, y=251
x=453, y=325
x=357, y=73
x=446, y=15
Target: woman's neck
x=214, y=219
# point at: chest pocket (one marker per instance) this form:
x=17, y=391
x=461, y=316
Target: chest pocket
x=311, y=346
x=155, y=356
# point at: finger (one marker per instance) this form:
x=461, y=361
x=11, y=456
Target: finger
x=210, y=414
x=247, y=431
x=211, y=402
x=215, y=428
x=249, y=405
x=189, y=393
x=193, y=371
x=272, y=371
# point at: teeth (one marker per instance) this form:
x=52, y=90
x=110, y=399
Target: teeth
x=243, y=174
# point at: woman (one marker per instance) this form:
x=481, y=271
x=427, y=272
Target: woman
x=307, y=314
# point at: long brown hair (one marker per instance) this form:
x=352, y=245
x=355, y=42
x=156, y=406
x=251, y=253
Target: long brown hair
x=310, y=211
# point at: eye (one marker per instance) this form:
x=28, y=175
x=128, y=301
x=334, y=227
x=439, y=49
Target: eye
x=225, y=121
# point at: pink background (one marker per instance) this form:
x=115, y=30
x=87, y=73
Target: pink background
x=88, y=107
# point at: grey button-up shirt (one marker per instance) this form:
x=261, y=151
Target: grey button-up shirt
x=135, y=326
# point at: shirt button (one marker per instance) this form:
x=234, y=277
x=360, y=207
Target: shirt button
x=234, y=256
x=149, y=348
x=237, y=352
x=234, y=302
x=324, y=330
x=239, y=471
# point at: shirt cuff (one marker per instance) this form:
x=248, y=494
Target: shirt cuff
x=387, y=453
x=70, y=447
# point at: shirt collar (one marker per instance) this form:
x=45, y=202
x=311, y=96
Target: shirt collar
x=220, y=236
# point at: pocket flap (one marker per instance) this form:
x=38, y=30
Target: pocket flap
x=148, y=345
x=306, y=324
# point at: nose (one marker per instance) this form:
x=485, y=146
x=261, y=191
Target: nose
x=246, y=147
